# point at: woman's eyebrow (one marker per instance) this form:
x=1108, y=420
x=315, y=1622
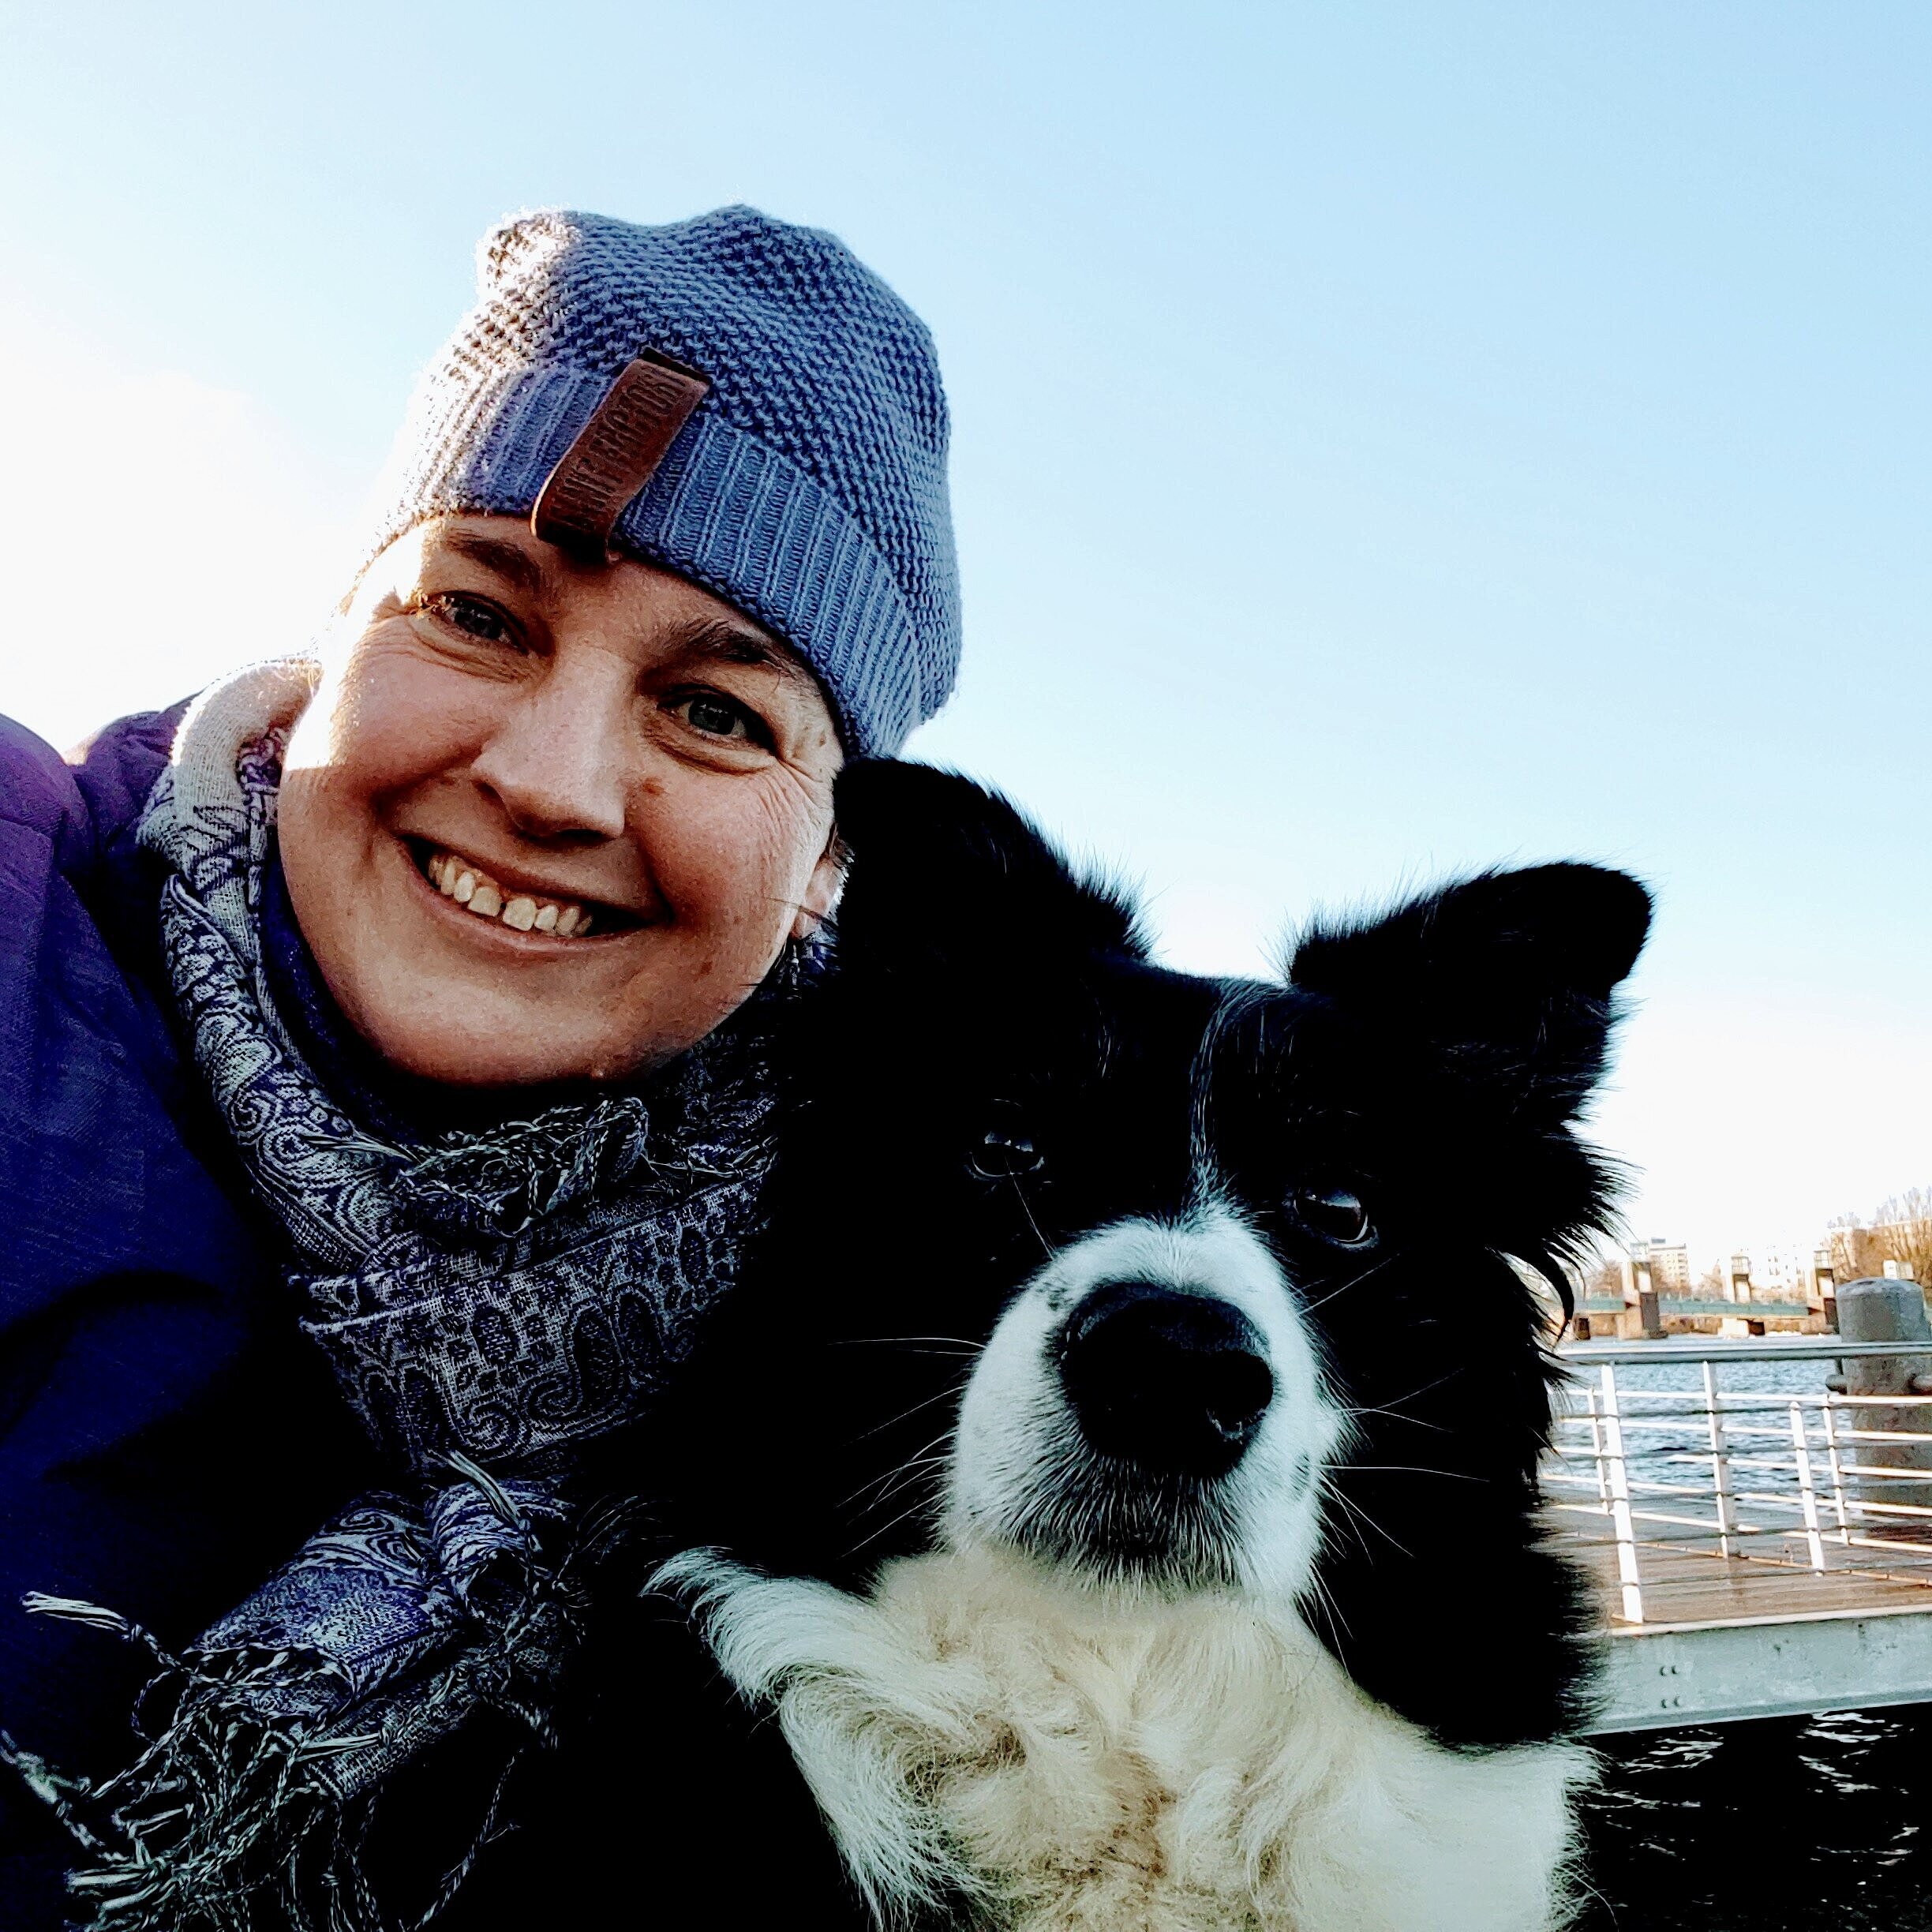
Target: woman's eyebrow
x=720, y=641
x=516, y=566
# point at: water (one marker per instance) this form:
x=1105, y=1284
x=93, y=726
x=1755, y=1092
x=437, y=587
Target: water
x=1777, y=1826
x=1646, y=1449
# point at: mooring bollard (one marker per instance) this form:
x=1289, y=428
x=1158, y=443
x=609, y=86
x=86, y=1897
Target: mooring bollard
x=1874, y=1310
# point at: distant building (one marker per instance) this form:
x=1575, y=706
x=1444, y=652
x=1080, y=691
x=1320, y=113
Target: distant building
x=1778, y=1274
x=1670, y=1264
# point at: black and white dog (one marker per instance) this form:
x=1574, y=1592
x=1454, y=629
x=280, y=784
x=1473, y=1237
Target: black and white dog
x=1116, y=1471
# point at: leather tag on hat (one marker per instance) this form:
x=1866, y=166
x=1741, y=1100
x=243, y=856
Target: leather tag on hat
x=616, y=453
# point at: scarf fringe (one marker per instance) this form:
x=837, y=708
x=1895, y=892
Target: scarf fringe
x=243, y=1814
x=218, y=1826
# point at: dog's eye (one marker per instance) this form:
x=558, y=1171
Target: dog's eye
x=1005, y=1154
x=1335, y=1214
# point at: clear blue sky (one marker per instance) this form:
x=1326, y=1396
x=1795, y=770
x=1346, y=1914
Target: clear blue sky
x=1389, y=439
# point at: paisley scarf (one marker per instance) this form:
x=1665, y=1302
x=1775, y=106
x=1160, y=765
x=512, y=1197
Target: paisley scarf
x=490, y=1301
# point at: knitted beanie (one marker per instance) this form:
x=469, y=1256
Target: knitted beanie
x=806, y=488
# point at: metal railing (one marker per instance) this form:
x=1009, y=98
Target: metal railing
x=1818, y=1481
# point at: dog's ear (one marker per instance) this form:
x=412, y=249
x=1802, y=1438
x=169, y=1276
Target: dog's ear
x=1508, y=976
x=941, y=868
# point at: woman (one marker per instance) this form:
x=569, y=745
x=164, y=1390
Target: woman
x=465, y=947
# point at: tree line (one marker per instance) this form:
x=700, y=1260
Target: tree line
x=1901, y=1230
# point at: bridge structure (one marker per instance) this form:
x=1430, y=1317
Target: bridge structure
x=1759, y=1541
x=1600, y=1316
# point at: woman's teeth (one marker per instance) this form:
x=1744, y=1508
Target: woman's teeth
x=476, y=892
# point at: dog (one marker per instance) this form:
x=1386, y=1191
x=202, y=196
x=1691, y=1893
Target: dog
x=1116, y=1470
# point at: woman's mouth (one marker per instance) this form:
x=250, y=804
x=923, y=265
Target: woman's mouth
x=466, y=883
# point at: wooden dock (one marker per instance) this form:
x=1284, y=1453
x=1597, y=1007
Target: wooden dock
x=1756, y=1635
x=1756, y=1550
x=1695, y=1583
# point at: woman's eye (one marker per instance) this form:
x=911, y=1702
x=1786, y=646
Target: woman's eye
x=474, y=617
x=1335, y=1214
x=718, y=717
x=1006, y=1154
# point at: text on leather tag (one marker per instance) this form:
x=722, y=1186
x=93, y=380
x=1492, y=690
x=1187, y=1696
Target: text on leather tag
x=615, y=452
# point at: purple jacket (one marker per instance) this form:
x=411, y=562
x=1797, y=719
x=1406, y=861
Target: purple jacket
x=166, y=1436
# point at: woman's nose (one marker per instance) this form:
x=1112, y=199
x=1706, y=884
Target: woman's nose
x=557, y=761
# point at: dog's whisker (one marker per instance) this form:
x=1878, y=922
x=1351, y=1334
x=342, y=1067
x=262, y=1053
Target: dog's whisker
x=905, y=1415
x=1026, y=1207
x=1404, y=1469
x=1353, y=1282
x=909, y=1472
x=936, y=1450
x=887, y=1478
x=1361, y=1518
x=958, y=1341
x=1325, y=1597
x=1430, y=1388
x=1396, y=1415
x=887, y=1529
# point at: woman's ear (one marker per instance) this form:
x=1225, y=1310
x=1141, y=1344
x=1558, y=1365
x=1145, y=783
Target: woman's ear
x=822, y=890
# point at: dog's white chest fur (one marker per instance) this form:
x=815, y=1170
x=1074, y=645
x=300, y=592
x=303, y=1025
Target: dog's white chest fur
x=1075, y=1761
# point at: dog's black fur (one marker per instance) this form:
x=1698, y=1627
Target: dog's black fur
x=1432, y=1062
x=997, y=1068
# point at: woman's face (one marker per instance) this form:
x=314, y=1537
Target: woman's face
x=547, y=820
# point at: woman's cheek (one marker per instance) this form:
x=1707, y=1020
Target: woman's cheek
x=402, y=721
x=724, y=856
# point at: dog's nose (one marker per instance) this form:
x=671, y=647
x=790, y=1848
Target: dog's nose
x=1176, y=1382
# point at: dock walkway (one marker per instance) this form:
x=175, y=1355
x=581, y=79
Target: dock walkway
x=1757, y=1636
x=1744, y=1553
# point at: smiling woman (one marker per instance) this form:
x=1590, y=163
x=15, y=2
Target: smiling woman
x=469, y=945
x=548, y=820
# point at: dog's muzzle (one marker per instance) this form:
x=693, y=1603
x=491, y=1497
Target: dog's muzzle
x=1173, y=1382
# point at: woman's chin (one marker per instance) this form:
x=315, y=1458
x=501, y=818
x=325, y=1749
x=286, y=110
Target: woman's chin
x=451, y=1035
x=493, y=1054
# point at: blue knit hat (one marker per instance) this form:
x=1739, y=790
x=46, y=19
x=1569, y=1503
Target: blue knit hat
x=808, y=487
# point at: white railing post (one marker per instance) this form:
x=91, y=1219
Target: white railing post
x=1807, y=1496
x=1625, y=1531
x=1837, y=1471
x=1596, y=1451
x=1720, y=1460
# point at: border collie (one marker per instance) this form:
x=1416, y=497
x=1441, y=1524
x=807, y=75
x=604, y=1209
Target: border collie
x=1116, y=1471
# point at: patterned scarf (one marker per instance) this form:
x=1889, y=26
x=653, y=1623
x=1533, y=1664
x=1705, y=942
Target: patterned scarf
x=490, y=1301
